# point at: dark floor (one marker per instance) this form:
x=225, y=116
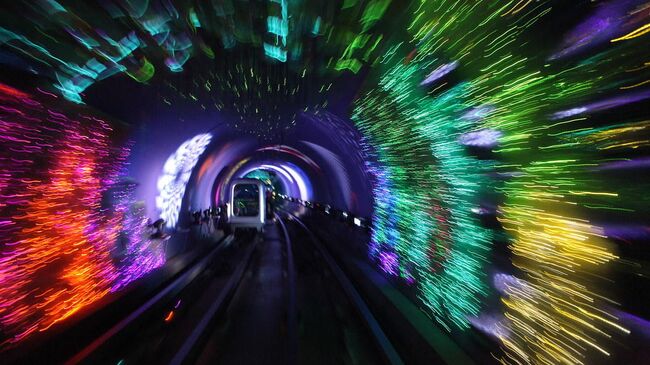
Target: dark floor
x=253, y=330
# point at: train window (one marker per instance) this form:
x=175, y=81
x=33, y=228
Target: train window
x=246, y=202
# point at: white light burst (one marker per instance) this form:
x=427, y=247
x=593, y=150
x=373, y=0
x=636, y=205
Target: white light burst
x=176, y=174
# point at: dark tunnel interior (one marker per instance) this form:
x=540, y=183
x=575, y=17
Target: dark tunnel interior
x=325, y=182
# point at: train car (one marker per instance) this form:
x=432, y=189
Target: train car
x=247, y=204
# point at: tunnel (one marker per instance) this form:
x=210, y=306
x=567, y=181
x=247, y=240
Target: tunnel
x=325, y=182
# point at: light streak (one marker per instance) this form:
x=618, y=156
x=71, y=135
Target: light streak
x=439, y=72
x=482, y=138
x=62, y=247
x=508, y=92
x=636, y=33
x=555, y=308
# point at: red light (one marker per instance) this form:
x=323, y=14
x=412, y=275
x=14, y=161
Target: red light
x=169, y=316
x=6, y=89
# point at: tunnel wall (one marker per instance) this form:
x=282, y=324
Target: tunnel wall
x=71, y=233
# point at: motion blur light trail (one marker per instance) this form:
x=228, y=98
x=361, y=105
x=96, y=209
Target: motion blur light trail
x=428, y=220
x=505, y=143
x=58, y=250
x=558, y=311
x=142, y=38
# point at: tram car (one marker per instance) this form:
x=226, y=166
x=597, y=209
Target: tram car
x=246, y=207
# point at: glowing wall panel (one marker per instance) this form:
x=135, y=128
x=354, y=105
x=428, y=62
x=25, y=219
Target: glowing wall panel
x=69, y=231
x=176, y=174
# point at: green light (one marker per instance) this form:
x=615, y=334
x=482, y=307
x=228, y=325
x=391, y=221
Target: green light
x=316, y=29
x=275, y=52
x=277, y=26
x=194, y=19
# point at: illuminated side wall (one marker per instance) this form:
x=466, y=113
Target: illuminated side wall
x=70, y=233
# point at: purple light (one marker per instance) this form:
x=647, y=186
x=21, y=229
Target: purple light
x=478, y=113
x=389, y=262
x=291, y=151
x=606, y=23
x=637, y=324
x=439, y=72
x=506, y=284
x=569, y=113
x=338, y=168
x=490, y=325
x=627, y=164
x=603, y=104
x=482, y=138
x=627, y=231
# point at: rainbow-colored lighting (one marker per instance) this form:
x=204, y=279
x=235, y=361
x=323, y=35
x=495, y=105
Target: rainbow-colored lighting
x=506, y=144
x=466, y=80
x=62, y=248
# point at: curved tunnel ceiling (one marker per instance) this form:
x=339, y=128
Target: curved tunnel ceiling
x=500, y=148
x=311, y=161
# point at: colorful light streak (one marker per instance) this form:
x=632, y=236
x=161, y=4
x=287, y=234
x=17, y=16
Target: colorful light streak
x=439, y=72
x=426, y=203
x=554, y=119
x=426, y=184
x=60, y=242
